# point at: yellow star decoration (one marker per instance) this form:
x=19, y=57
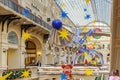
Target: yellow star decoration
x=87, y=1
x=26, y=35
x=88, y=38
x=62, y=4
x=95, y=63
x=26, y=74
x=64, y=34
x=88, y=72
x=85, y=29
x=5, y=76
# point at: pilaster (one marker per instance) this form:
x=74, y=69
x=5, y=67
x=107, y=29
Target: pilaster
x=3, y=50
x=44, y=58
x=22, y=53
x=115, y=47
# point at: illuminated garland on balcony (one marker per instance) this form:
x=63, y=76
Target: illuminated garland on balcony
x=25, y=73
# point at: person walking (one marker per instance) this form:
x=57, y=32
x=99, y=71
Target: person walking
x=39, y=63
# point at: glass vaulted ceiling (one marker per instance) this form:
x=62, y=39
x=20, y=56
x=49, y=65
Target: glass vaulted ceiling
x=83, y=13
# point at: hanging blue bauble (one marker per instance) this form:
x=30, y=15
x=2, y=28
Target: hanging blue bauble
x=57, y=24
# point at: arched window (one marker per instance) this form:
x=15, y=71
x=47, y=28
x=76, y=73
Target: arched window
x=12, y=38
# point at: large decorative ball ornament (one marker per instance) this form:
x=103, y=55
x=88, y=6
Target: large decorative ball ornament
x=57, y=24
x=97, y=30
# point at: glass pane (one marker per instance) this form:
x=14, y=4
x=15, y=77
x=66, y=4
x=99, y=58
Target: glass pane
x=12, y=38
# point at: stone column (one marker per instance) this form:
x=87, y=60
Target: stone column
x=22, y=53
x=3, y=50
x=44, y=58
x=3, y=46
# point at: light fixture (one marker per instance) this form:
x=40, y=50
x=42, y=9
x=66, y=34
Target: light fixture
x=39, y=53
x=23, y=52
x=4, y=50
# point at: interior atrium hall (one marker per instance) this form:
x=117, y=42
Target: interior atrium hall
x=59, y=39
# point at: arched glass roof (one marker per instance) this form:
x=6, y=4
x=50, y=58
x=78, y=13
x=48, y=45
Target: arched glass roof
x=84, y=12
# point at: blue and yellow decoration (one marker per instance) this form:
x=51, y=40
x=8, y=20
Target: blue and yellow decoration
x=57, y=24
x=64, y=34
x=26, y=74
x=5, y=76
x=14, y=74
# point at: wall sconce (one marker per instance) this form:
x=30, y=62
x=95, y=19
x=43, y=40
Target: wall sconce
x=39, y=54
x=4, y=50
x=23, y=52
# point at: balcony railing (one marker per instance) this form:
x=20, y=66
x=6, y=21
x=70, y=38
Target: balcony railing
x=14, y=6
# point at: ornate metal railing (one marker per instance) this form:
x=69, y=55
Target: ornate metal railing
x=19, y=9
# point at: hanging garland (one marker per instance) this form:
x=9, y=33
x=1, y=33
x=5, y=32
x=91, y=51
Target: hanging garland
x=17, y=74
